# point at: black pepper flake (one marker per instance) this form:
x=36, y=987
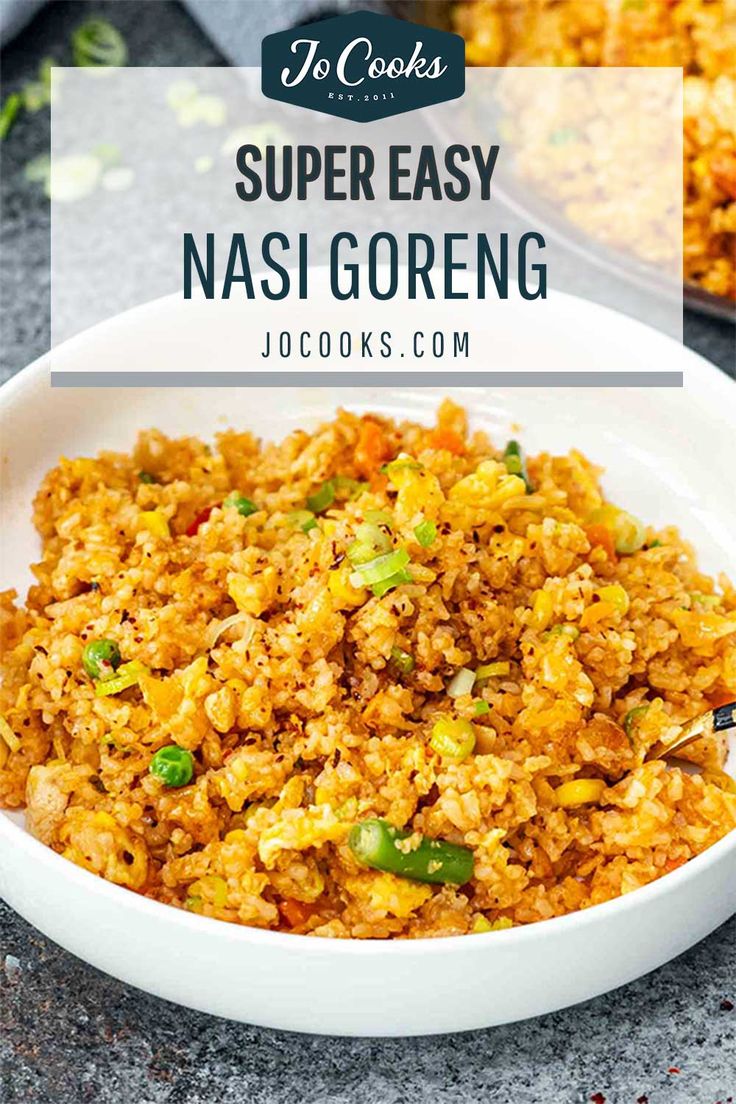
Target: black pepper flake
x=643, y=1099
x=726, y=1005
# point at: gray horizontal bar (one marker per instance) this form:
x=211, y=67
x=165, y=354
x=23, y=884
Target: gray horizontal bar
x=362, y=379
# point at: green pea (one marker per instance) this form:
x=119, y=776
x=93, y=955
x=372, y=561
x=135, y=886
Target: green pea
x=101, y=658
x=173, y=765
x=147, y=477
x=243, y=505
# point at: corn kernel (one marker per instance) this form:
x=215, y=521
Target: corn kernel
x=616, y=596
x=502, y=924
x=580, y=791
x=155, y=522
x=542, y=610
x=105, y=820
x=342, y=590
x=481, y=924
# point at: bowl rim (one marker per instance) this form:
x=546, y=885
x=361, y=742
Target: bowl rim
x=83, y=881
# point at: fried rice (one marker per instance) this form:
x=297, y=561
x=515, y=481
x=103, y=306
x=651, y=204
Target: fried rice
x=307, y=695
x=698, y=35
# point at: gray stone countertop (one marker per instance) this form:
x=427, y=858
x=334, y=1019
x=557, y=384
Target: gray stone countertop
x=71, y=1034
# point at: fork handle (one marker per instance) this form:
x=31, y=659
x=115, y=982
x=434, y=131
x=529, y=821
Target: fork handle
x=724, y=717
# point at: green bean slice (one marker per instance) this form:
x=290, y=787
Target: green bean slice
x=376, y=843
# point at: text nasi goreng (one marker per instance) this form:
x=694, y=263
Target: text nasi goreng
x=379, y=680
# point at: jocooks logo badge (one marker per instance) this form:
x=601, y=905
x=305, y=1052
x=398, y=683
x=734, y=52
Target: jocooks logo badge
x=363, y=66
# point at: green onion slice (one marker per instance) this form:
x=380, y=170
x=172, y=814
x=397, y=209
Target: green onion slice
x=379, y=589
x=379, y=517
x=243, y=505
x=370, y=542
x=127, y=675
x=323, y=498
x=97, y=43
x=35, y=96
x=461, y=683
x=9, y=113
x=632, y=718
x=401, y=463
x=402, y=661
x=453, y=738
x=380, y=568
x=426, y=533
x=491, y=670
x=302, y=519
x=345, y=485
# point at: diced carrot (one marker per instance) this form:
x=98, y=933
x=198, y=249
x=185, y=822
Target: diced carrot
x=673, y=864
x=445, y=438
x=372, y=448
x=595, y=613
x=296, y=913
x=602, y=537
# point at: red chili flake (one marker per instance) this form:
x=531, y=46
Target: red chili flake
x=200, y=519
x=674, y=1069
x=643, y=1099
x=726, y=1005
x=598, y=1098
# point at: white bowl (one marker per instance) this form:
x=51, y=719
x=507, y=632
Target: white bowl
x=670, y=456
